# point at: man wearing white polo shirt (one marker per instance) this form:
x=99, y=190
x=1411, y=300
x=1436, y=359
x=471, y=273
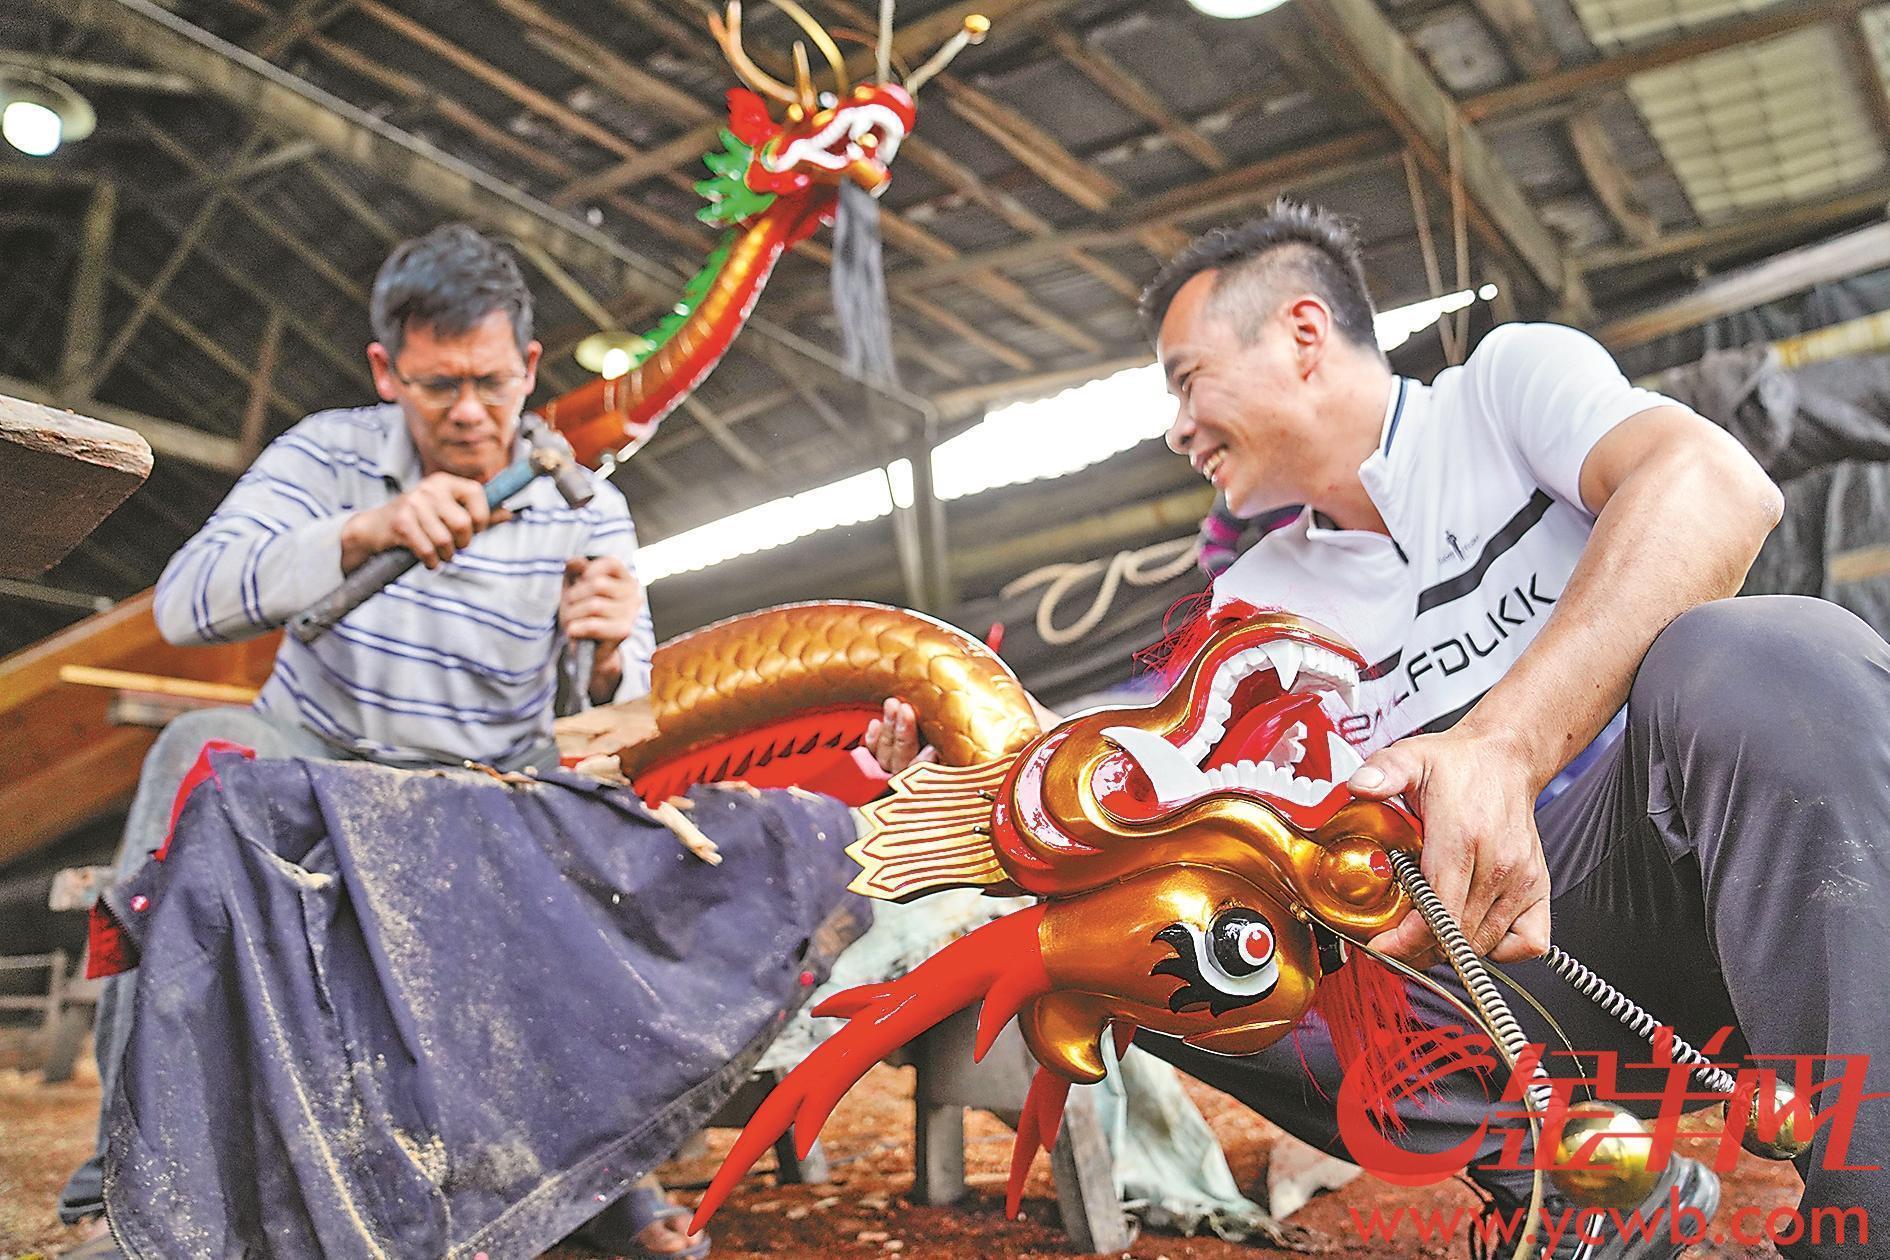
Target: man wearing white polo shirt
x=1535, y=556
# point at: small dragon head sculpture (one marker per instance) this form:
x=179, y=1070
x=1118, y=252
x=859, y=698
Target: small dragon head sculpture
x=1199, y=865
x=850, y=132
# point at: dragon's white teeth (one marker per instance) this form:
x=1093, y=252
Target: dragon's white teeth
x=1173, y=776
x=1345, y=758
x=1286, y=658
x=1290, y=747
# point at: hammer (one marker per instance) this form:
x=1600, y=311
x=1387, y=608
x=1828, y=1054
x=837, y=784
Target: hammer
x=550, y=456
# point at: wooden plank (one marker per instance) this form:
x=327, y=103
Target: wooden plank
x=1866, y=249
x=1034, y=148
x=1405, y=93
x=167, y=438
x=99, y=775
x=155, y=684
x=60, y=475
x=1217, y=196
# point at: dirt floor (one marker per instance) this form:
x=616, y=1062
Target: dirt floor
x=46, y=1129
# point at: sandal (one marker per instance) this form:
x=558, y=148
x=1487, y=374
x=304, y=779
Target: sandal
x=619, y=1228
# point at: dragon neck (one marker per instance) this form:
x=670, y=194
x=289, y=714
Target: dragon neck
x=686, y=344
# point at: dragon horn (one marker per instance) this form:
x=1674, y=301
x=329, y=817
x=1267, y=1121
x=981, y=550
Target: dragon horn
x=729, y=35
x=976, y=27
x=804, y=80
x=883, y=1019
x=822, y=41
x=882, y=52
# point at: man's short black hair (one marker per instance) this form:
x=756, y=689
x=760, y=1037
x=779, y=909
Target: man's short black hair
x=448, y=280
x=1294, y=245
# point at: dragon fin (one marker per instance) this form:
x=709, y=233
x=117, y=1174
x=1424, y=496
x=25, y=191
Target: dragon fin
x=931, y=833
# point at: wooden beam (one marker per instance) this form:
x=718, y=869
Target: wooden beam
x=1861, y=64
x=1215, y=197
x=256, y=411
x=724, y=436
x=1866, y=249
x=1034, y=148
x=352, y=365
x=1401, y=87
x=962, y=180
x=103, y=74
x=974, y=398
x=85, y=314
x=270, y=225
x=356, y=206
x=1776, y=19
x=265, y=91
x=1518, y=27
x=1613, y=186
x=588, y=303
x=208, y=346
x=1747, y=231
x=1130, y=92
x=99, y=367
x=582, y=53
x=294, y=24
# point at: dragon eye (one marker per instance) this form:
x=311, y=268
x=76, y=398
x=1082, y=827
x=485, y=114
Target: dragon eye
x=1242, y=942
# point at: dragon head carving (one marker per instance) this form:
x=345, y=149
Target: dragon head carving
x=1199, y=866
x=849, y=132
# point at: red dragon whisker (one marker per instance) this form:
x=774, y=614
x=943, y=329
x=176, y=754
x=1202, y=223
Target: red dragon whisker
x=1037, y=1128
x=1040, y=1119
x=1001, y=957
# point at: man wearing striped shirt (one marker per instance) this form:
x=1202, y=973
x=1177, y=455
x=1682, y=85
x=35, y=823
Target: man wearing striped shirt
x=456, y=661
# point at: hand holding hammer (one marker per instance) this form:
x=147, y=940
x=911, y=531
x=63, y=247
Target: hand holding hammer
x=441, y=513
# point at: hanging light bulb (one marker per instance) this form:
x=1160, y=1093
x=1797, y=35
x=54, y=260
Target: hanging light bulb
x=38, y=113
x=1236, y=8
x=610, y=353
x=31, y=128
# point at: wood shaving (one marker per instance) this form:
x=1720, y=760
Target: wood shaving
x=687, y=832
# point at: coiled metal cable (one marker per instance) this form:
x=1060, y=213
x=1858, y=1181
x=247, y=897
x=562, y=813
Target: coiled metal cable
x=1484, y=994
x=1632, y=1014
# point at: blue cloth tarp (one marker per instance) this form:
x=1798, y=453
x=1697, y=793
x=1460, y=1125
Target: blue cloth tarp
x=387, y=1013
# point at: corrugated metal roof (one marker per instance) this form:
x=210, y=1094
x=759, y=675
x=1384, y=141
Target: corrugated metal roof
x=1748, y=127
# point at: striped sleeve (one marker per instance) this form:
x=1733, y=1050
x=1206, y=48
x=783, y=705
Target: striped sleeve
x=272, y=548
x=613, y=534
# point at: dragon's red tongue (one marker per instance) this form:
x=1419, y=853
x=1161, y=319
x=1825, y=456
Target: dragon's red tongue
x=1252, y=735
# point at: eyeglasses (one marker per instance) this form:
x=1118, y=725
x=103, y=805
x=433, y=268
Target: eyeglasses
x=495, y=390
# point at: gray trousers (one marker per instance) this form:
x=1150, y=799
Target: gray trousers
x=170, y=758
x=1725, y=863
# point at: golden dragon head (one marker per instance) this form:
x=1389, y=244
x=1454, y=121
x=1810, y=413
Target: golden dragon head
x=1199, y=863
